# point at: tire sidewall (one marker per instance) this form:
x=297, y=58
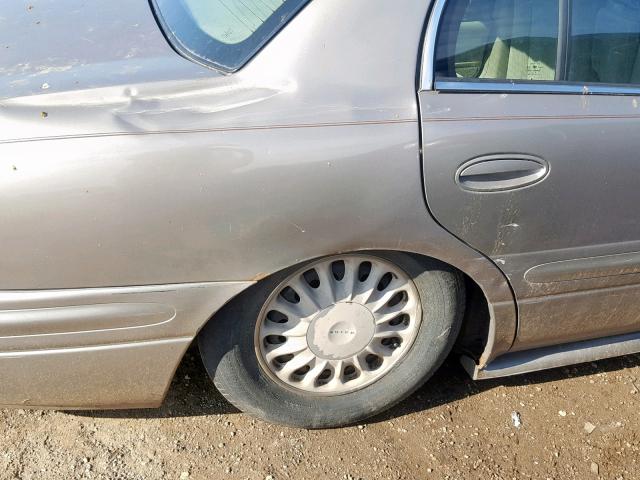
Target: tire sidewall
x=228, y=351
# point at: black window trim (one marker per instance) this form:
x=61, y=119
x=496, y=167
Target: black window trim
x=428, y=81
x=564, y=35
x=247, y=49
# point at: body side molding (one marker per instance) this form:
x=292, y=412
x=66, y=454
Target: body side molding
x=82, y=318
x=585, y=268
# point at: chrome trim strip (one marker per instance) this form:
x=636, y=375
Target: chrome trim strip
x=528, y=361
x=429, y=83
x=533, y=87
x=530, y=117
x=429, y=51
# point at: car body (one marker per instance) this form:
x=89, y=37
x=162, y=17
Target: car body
x=143, y=190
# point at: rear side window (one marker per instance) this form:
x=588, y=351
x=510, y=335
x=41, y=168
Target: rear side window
x=224, y=34
x=570, y=41
x=604, y=44
x=498, y=39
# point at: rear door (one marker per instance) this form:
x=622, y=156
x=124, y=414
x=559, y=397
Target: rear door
x=531, y=149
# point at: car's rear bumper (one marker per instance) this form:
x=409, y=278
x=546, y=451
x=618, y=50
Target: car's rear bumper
x=127, y=375
x=100, y=347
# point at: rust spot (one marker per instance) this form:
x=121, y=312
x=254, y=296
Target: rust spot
x=259, y=276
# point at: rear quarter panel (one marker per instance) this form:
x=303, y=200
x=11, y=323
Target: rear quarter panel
x=311, y=149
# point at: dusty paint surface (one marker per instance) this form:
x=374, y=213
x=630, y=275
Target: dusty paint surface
x=44, y=51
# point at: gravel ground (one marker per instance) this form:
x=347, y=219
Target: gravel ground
x=579, y=422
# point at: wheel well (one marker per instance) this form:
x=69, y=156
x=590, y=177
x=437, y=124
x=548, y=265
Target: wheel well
x=474, y=332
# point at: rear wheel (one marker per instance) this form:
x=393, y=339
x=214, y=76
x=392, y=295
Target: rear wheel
x=335, y=340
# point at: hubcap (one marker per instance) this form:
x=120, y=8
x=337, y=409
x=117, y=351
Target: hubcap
x=341, y=331
x=338, y=325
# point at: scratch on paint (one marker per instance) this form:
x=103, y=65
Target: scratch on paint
x=302, y=230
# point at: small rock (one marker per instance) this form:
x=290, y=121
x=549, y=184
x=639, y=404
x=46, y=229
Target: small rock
x=45, y=86
x=589, y=427
x=595, y=469
x=184, y=475
x=269, y=477
x=562, y=413
x=516, y=420
x=44, y=114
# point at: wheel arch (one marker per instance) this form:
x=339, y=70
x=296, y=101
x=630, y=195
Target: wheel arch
x=489, y=323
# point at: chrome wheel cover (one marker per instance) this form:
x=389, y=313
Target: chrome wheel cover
x=338, y=325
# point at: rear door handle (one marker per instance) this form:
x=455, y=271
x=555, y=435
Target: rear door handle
x=496, y=173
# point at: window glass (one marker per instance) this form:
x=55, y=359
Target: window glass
x=231, y=21
x=498, y=39
x=604, y=41
x=518, y=40
x=223, y=33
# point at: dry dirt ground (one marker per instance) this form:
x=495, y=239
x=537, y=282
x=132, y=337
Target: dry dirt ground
x=579, y=422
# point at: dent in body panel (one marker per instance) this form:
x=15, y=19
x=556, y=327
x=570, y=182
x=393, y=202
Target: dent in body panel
x=293, y=81
x=158, y=201
x=138, y=109
x=300, y=139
